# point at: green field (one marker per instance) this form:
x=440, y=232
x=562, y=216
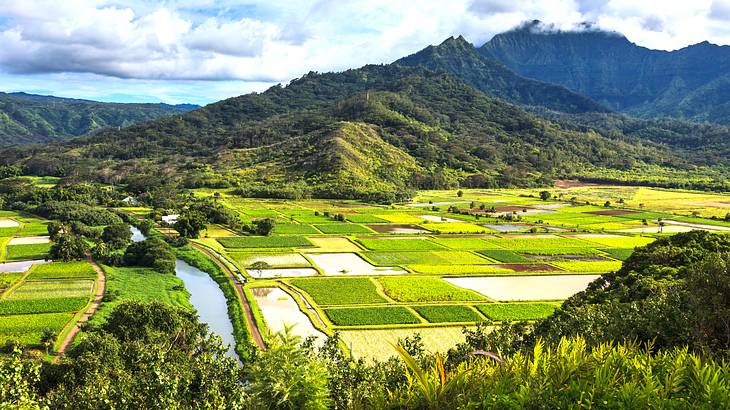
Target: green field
x=27, y=252
x=504, y=256
x=294, y=229
x=425, y=289
x=340, y=291
x=399, y=244
x=140, y=284
x=51, y=305
x=371, y=316
x=463, y=243
x=264, y=242
x=27, y=329
x=505, y=312
x=62, y=270
x=342, y=228
x=52, y=289
x=447, y=313
x=390, y=258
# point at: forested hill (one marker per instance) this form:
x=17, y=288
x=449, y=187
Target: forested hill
x=359, y=133
x=461, y=58
x=692, y=83
x=28, y=118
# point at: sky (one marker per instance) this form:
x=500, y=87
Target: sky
x=201, y=51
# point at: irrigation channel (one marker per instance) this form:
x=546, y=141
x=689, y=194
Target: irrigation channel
x=206, y=297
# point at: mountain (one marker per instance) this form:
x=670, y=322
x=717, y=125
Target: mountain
x=374, y=132
x=691, y=83
x=28, y=118
x=461, y=58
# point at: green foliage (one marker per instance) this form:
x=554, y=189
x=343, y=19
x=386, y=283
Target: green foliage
x=18, y=380
x=339, y=291
x=117, y=236
x=152, y=252
x=370, y=316
x=425, y=289
x=620, y=254
x=264, y=242
x=190, y=223
x=447, y=313
x=505, y=256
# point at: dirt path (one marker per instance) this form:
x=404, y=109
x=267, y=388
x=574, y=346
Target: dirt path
x=101, y=285
x=247, y=311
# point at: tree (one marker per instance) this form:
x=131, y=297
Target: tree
x=545, y=195
x=68, y=247
x=607, y=204
x=190, y=223
x=117, y=236
x=48, y=338
x=727, y=217
x=460, y=193
x=264, y=226
x=153, y=252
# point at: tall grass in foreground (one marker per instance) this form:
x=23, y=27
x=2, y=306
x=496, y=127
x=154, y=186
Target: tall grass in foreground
x=570, y=375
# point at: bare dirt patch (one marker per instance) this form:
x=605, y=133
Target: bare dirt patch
x=403, y=228
x=30, y=240
x=571, y=183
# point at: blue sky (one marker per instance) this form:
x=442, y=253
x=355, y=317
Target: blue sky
x=200, y=51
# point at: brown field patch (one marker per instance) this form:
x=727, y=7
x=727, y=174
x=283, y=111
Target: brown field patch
x=511, y=208
x=571, y=183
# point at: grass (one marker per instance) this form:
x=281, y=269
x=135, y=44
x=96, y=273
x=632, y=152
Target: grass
x=141, y=284
x=504, y=256
x=371, y=316
x=62, y=270
x=561, y=251
x=425, y=289
x=294, y=229
x=390, y=258
x=27, y=252
x=340, y=291
x=53, y=305
x=507, y=312
x=460, y=270
x=599, y=266
x=448, y=313
x=7, y=279
x=342, y=228
x=52, y=289
x=27, y=329
x=399, y=244
x=264, y=242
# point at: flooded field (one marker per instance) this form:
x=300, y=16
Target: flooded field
x=30, y=240
x=349, y=264
x=281, y=273
x=526, y=287
x=281, y=311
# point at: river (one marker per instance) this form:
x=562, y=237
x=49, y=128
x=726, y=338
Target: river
x=206, y=297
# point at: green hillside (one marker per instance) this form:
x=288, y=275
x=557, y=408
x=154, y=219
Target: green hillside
x=28, y=118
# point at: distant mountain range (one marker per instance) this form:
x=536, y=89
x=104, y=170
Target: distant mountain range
x=30, y=118
x=691, y=83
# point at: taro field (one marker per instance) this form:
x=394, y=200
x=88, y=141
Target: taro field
x=442, y=262
x=40, y=298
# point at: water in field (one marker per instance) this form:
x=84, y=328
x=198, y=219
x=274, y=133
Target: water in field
x=546, y=287
x=18, y=266
x=206, y=297
x=349, y=264
x=281, y=272
x=280, y=311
